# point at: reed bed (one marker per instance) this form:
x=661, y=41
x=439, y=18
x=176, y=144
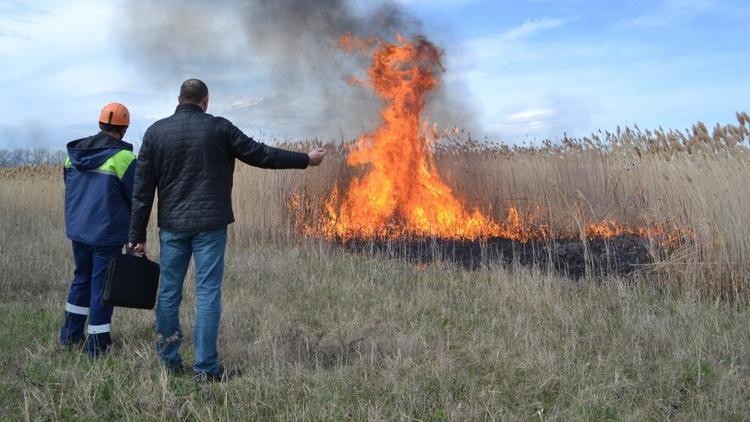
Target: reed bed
x=691, y=180
x=324, y=335
x=687, y=179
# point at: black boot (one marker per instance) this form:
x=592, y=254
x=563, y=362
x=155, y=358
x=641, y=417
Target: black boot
x=97, y=344
x=72, y=332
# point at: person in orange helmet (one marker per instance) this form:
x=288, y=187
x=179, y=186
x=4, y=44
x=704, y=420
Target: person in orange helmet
x=99, y=173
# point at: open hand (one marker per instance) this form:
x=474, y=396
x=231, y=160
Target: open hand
x=316, y=156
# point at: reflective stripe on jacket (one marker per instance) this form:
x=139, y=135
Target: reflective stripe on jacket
x=99, y=174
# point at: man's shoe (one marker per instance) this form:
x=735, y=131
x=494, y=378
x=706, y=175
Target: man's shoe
x=222, y=375
x=176, y=369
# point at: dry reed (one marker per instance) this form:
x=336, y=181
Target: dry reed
x=326, y=335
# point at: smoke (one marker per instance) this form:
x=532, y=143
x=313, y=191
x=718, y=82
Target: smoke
x=273, y=65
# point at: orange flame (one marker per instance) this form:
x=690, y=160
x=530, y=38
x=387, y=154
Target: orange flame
x=401, y=193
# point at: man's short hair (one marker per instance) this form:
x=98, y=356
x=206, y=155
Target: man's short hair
x=111, y=128
x=193, y=91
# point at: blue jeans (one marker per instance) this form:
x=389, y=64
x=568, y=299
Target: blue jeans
x=176, y=249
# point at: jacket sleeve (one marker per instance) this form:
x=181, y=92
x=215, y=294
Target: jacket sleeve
x=261, y=155
x=127, y=183
x=144, y=189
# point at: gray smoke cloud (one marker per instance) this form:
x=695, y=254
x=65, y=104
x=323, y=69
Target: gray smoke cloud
x=273, y=65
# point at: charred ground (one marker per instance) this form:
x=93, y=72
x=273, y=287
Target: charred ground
x=575, y=258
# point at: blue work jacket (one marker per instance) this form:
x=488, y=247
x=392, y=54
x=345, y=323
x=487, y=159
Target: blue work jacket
x=99, y=173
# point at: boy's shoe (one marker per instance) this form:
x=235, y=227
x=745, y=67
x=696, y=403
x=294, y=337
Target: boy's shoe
x=97, y=344
x=72, y=331
x=71, y=343
x=222, y=375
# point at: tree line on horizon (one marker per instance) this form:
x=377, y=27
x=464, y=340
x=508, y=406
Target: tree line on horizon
x=30, y=157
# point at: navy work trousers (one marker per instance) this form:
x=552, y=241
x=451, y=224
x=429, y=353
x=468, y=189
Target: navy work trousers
x=84, y=299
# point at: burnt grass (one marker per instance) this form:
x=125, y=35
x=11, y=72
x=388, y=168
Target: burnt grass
x=596, y=258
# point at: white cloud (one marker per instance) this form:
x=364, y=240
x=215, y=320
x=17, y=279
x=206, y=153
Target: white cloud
x=513, y=45
x=670, y=12
x=531, y=27
x=528, y=83
x=530, y=80
x=531, y=115
x=545, y=103
x=56, y=51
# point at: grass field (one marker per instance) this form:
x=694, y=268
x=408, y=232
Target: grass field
x=320, y=334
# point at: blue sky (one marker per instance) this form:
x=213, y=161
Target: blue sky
x=528, y=70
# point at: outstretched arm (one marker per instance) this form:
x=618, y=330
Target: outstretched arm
x=261, y=155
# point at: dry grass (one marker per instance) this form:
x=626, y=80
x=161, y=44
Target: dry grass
x=690, y=180
x=326, y=335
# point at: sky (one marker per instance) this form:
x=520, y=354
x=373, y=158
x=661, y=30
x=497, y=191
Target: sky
x=527, y=70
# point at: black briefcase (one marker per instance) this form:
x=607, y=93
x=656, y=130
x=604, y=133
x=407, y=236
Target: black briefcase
x=131, y=282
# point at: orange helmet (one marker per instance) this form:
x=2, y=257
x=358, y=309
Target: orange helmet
x=115, y=114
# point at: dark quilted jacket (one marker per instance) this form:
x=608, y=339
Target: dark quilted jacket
x=189, y=158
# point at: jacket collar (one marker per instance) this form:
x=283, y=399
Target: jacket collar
x=89, y=153
x=188, y=107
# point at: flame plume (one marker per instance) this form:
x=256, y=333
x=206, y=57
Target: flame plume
x=402, y=192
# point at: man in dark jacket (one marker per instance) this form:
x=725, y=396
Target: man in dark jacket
x=189, y=157
x=99, y=175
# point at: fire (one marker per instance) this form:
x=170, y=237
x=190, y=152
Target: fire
x=401, y=193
